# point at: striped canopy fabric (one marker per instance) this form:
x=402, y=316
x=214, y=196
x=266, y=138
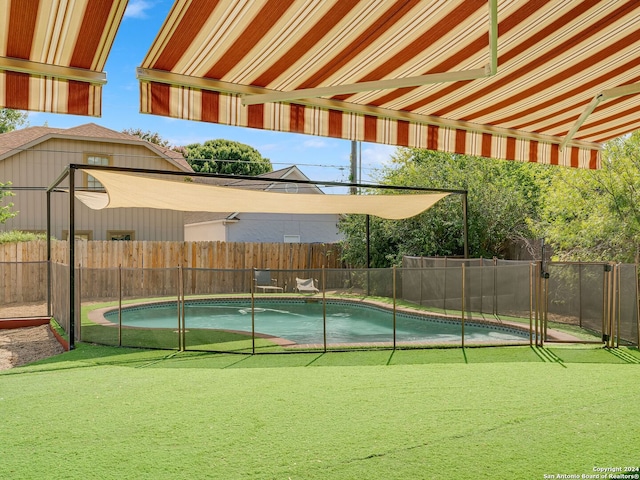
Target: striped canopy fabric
x=52, y=53
x=529, y=80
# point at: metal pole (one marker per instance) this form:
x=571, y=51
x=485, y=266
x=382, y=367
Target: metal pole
x=538, y=280
x=368, y=256
x=72, y=260
x=324, y=309
x=184, y=316
x=545, y=305
x=354, y=166
x=120, y=305
x=617, y=304
x=495, y=286
x=394, y=307
x=465, y=207
x=181, y=320
x=79, y=298
x=368, y=234
x=635, y=271
x=463, y=305
x=253, y=316
x=531, y=304
x=49, y=314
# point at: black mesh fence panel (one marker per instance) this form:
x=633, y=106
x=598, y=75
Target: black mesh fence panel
x=513, y=289
x=218, y=309
x=576, y=295
x=60, y=295
x=628, y=304
x=592, y=296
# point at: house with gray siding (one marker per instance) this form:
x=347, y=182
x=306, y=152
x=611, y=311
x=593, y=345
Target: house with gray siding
x=33, y=158
x=263, y=227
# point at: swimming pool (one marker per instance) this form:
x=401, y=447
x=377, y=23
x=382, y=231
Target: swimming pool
x=301, y=321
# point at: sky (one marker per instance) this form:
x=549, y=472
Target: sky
x=319, y=158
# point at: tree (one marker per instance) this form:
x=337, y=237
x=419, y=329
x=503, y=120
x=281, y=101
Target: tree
x=152, y=137
x=11, y=119
x=227, y=157
x=595, y=215
x=503, y=198
x=5, y=210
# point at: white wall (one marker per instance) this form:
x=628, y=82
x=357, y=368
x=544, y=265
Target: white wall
x=255, y=227
x=205, y=232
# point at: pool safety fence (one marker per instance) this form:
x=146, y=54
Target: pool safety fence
x=600, y=303
x=596, y=302
x=297, y=311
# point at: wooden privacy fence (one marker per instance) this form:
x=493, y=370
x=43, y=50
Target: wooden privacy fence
x=23, y=272
x=143, y=254
x=23, y=279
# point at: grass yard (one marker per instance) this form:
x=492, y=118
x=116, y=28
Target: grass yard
x=499, y=413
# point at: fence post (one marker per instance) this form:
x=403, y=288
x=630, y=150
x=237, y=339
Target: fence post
x=618, y=299
x=531, y=304
x=120, y=305
x=538, y=289
x=545, y=305
x=182, y=342
x=253, y=313
x=324, y=308
x=394, y=307
x=463, y=305
x=637, y=303
x=495, y=286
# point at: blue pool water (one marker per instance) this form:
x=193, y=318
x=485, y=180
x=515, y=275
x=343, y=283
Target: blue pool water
x=301, y=321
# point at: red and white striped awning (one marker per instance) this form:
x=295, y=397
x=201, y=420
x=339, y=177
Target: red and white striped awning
x=52, y=53
x=529, y=80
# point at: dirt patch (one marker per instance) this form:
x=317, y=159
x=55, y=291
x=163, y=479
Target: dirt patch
x=20, y=346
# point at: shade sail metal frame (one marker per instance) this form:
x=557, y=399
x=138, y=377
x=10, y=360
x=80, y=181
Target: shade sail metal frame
x=70, y=170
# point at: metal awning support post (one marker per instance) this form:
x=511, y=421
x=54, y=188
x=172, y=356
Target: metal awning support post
x=49, y=288
x=72, y=258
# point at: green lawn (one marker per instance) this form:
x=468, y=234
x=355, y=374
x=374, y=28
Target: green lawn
x=502, y=413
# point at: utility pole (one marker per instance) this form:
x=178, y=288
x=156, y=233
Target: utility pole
x=354, y=177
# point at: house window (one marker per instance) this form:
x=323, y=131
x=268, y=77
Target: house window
x=85, y=235
x=121, y=235
x=89, y=181
x=292, y=239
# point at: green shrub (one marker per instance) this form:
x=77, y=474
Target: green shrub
x=18, y=236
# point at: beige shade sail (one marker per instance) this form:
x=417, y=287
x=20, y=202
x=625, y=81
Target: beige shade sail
x=132, y=190
x=529, y=80
x=53, y=53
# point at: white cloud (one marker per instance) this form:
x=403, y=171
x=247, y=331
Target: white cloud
x=268, y=147
x=137, y=9
x=375, y=155
x=315, y=143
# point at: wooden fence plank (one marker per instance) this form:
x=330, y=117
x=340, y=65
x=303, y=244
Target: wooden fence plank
x=102, y=259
